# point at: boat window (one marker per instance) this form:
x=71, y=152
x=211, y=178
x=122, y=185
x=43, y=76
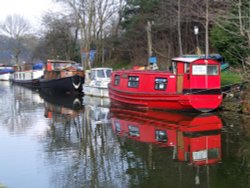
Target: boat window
x=205, y=70
x=100, y=74
x=200, y=155
x=161, y=83
x=133, y=81
x=187, y=67
x=117, y=80
x=161, y=136
x=213, y=153
x=212, y=70
x=108, y=73
x=133, y=130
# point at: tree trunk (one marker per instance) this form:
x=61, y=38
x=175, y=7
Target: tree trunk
x=206, y=27
x=179, y=27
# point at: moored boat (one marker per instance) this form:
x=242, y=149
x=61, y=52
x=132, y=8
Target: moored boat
x=5, y=72
x=62, y=77
x=193, y=84
x=26, y=76
x=96, y=82
x=195, y=139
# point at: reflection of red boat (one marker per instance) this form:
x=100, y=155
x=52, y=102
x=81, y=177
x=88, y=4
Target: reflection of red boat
x=194, y=84
x=196, y=139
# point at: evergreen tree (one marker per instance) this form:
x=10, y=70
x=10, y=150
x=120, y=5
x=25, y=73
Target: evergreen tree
x=230, y=36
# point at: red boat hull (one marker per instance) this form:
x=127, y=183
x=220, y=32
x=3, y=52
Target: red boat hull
x=199, y=102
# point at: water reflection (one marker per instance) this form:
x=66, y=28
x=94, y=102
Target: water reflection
x=17, y=105
x=195, y=140
x=75, y=141
x=62, y=108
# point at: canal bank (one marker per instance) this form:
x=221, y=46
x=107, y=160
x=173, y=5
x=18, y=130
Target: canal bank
x=237, y=99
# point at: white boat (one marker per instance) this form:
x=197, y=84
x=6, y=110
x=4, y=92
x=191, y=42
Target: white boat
x=97, y=109
x=96, y=101
x=5, y=73
x=27, y=76
x=96, y=82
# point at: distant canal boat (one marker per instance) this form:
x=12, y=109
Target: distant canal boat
x=193, y=84
x=195, y=139
x=62, y=77
x=26, y=76
x=5, y=72
x=96, y=82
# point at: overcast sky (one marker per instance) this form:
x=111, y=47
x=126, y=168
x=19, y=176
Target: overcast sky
x=31, y=10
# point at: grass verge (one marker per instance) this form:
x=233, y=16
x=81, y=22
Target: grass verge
x=229, y=77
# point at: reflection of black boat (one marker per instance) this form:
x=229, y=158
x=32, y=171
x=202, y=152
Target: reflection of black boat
x=67, y=101
x=61, y=106
x=196, y=139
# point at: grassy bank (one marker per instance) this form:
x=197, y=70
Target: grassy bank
x=229, y=77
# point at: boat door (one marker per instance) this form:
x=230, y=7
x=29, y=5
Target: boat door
x=180, y=76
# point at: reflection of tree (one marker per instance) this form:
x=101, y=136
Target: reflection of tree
x=15, y=115
x=236, y=152
x=88, y=152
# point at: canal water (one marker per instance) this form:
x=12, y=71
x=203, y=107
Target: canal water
x=69, y=141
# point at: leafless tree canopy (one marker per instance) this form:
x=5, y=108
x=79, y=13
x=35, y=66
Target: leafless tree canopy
x=15, y=26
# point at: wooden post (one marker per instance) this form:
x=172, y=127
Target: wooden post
x=149, y=37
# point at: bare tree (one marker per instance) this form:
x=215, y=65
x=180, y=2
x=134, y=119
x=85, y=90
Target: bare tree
x=93, y=18
x=60, y=36
x=105, y=10
x=15, y=27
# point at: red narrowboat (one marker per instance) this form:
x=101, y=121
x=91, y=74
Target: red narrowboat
x=193, y=84
x=194, y=139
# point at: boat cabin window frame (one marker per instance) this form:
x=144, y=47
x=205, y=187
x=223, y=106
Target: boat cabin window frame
x=203, y=70
x=161, y=135
x=161, y=83
x=117, y=80
x=133, y=81
x=133, y=130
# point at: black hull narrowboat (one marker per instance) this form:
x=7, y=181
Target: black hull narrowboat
x=65, y=77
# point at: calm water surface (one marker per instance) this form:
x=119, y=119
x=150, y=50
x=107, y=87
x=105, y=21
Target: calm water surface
x=54, y=142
